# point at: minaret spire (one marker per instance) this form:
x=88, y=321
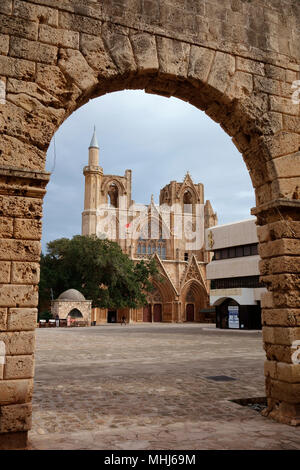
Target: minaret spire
x=93, y=180
x=94, y=150
x=94, y=141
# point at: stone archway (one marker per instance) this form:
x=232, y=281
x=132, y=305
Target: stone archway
x=237, y=61
x=160, y=302
x=75, y=313
x=193, y=294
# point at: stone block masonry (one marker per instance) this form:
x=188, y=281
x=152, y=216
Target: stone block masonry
x=235, y=60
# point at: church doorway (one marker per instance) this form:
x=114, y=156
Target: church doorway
x=112, y=316
x=190, y=312
x=157, y=313
x=147, y=314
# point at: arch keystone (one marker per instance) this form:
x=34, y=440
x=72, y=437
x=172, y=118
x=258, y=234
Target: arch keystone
x=145, y=52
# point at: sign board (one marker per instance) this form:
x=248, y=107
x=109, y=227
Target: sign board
x=233, y=316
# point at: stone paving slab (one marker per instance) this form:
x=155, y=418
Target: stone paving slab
x=147, y=387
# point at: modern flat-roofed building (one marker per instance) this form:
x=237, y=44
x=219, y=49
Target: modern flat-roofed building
x=235, y=290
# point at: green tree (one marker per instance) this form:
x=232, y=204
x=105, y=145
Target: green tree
x=99, y=269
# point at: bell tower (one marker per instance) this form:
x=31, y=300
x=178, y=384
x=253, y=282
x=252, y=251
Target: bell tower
x=93, y=179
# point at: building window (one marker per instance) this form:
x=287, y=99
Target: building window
x=186, y=256
x=148, y=248
x=254, y=249
x=239, y=251
x=247, y=250
x=236, y=282
x=236, y=252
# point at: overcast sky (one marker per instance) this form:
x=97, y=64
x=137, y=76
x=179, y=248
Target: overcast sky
x=160, y=139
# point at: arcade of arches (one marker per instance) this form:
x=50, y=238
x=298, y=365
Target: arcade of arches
x=237, y=61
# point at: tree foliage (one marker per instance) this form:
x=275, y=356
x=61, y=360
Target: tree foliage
x=98, y=269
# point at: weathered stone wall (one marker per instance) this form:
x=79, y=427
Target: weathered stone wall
x=237, y=60
x=21, y=194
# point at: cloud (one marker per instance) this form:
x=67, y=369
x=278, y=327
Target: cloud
x=160, y=139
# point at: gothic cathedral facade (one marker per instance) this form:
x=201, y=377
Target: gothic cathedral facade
x=172, y=232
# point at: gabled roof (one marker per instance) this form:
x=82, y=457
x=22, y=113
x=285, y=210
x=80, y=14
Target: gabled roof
x=194, y=270
x=188, y=184
x=160, y=263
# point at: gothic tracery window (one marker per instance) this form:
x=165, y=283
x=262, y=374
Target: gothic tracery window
x=150, y=240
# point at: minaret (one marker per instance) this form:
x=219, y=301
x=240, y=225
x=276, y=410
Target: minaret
x=93, y=178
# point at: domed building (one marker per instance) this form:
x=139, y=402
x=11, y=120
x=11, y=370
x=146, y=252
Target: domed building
x=71, y=305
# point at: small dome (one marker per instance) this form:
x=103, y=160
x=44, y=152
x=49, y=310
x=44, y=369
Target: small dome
x=73, y=295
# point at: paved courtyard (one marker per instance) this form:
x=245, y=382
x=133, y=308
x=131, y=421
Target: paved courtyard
x=147, y=387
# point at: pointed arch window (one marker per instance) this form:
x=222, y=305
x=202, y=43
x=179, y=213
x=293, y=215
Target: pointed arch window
x=113, y=195
x=187, y=202
x=151, y=240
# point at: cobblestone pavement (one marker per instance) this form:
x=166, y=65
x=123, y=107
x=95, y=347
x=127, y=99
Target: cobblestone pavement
x=147, y=387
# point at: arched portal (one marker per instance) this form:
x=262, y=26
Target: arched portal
x=227, y=313
x=194, y=299
x=243, y=76
x=159, y=305
x=75, y=314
